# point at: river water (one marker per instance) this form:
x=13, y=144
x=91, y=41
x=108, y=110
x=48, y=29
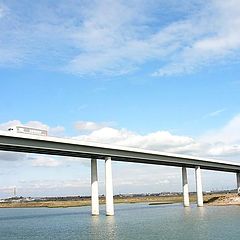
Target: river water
x=131, y=221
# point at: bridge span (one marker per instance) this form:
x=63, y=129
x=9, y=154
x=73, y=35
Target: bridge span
x=27, y=143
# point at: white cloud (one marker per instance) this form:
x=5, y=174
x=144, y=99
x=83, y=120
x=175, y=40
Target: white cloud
x=225, y=150
x=89, y=126
x=108, y=39
x=53, y=184
x=161, y=140
x=56, y=131
x=52, y=131
x=3, y=10
x=35, y=124
x=116, y=37
x=221, y=143
x=225, y=141
x=7, y=189
x=215, y=113
x=229, y=134
x=5, y=126
x=45, y=161
x=112, y=41
x=159, y=176
x=212, y=38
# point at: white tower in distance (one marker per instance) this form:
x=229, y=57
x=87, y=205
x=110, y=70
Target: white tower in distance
x=15, y=192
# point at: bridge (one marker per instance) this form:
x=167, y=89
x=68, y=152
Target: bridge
x=17, y=142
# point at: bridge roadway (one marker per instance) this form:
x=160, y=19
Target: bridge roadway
x=74, y=148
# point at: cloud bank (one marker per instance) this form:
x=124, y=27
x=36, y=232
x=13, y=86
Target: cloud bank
x=219, y=143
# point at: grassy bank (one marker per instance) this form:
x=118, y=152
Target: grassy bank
x=87, y=201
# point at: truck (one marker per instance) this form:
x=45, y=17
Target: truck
x=28, y=130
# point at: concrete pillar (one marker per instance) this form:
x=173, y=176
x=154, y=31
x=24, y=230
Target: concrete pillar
x=199, y=186
x=94, y=183
x=109, y=187
x=238, y=182
x=185, y=187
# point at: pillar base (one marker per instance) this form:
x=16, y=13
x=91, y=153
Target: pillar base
x=109, y=215
x=95, y=214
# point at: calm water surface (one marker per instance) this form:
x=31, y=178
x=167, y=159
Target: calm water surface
x=132, y=221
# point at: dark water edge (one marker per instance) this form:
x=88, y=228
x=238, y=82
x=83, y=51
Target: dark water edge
x=159, y=203
x=131, y=221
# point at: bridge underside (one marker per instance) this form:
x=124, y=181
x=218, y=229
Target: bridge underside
x=26, y=145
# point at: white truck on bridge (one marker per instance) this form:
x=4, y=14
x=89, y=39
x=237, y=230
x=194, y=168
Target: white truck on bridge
x=28, y=130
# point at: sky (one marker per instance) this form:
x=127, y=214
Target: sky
x=156, y=74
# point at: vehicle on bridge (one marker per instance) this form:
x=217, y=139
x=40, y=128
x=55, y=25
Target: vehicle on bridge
x=28, y=130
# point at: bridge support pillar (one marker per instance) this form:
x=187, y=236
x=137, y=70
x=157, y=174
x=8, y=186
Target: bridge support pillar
x=185, y=187
x=94, y=183
x=199, y=186
x=238, y=182
x=109, y=187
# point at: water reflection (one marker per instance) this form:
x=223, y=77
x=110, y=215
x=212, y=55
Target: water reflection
x=111, y=227
x=201, y=212
x=104, y=226
x=95, y=221
x=186, y=212
x=95, y=227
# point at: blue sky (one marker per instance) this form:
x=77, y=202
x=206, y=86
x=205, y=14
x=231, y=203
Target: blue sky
x=160, y=75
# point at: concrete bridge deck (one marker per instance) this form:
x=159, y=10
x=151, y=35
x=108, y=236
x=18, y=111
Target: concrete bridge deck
x=74, y=148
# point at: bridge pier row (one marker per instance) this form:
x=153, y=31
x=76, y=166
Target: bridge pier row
x=199, y=186
x=238, y=181
x=109, y=187
x=94, y=185
x=185, y=187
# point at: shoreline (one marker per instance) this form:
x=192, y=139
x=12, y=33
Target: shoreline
x=209, y=200
x=225, y=200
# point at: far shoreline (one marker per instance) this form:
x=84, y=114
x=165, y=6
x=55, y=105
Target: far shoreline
x=209, y=199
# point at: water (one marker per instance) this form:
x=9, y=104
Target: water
x=131, y=221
